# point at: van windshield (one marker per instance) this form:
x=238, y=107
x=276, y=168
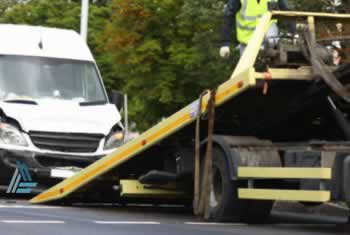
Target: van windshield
x=35, y=78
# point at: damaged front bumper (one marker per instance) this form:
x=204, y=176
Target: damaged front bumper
x=43, y=165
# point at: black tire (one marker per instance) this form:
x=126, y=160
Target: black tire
x=257, y=211
x=225, y=206
x=224, y=203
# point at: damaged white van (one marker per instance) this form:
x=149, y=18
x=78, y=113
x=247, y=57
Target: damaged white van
x=55, y=115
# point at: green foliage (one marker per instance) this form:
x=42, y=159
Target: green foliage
x=5, y=5
x=320, y=6
x=165, y=52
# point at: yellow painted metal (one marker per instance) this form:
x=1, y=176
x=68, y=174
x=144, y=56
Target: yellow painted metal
x=302, y=73
x=133, y=188
x=307, y=14
x=250, y=54
x=312, y=29
x=284, y=173
x=284, y=195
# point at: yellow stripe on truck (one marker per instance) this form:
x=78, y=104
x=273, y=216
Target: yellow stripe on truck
x=284, y=195
x=284, y=172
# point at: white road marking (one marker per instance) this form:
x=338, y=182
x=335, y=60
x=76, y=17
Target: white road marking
x=209, y=223
x=32, y=221
x=29, y=207
x=126, y=222
x=171, y=206
x=140, y=205
x=304, y=225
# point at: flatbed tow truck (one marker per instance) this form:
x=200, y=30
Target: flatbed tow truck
x=276, y=132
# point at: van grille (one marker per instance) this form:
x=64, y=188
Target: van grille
x=66, y=142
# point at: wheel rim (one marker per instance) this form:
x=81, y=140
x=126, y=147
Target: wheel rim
x=216, y=188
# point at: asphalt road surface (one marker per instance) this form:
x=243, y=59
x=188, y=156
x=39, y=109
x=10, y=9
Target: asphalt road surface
x=17, y=217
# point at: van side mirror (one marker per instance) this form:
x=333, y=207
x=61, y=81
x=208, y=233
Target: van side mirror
x=117, y=98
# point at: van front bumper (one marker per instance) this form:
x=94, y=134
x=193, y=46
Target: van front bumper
x=39, y=164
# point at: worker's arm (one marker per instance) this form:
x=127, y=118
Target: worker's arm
x=228, y=34
x=228, y=29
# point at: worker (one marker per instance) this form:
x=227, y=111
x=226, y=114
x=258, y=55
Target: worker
x=338, y=56
x=245, y=15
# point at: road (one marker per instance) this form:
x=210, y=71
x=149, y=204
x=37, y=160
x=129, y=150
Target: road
x=17, y=217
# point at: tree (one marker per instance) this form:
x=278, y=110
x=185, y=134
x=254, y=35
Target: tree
x=311, y=5
x=165, y=52
x=5, y=5
x=321, y=5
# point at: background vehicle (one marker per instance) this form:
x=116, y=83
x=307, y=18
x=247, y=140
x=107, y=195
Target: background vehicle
x=54, y=110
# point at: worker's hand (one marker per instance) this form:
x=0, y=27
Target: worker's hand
x=225, y=51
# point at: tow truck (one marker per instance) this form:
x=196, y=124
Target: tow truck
x=277, y=129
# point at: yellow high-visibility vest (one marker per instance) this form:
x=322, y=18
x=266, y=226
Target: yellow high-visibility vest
x=247, y=18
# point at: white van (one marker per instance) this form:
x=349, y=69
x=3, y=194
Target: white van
x=54, y=110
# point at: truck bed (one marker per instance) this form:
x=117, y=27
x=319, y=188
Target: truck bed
x=291, y=110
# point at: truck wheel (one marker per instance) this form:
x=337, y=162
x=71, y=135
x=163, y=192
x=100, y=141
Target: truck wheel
x=223, y=201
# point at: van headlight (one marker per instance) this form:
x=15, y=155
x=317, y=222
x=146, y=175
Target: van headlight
x=114, y=140
x=11, y=135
